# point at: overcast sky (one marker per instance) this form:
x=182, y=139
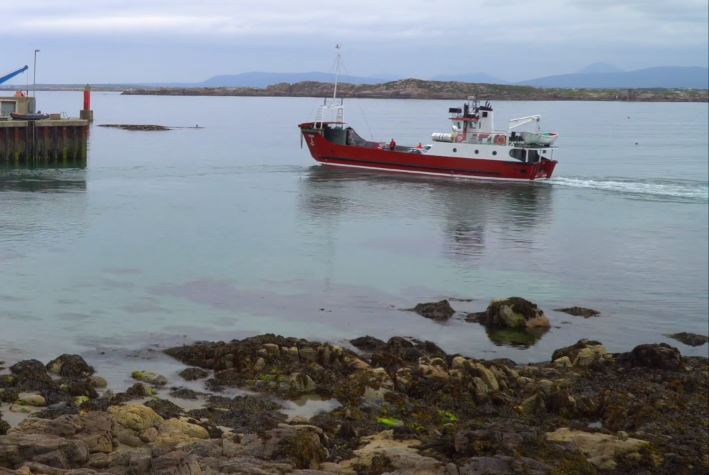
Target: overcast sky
x=191, y=40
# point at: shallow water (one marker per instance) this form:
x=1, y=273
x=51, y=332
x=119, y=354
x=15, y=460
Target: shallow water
x=232, y=230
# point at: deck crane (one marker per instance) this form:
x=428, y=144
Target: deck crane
x=13, y=74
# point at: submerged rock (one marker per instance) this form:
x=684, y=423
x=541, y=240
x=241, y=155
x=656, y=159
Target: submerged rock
x=691, y=339
x=579, y=311
x=438, y=311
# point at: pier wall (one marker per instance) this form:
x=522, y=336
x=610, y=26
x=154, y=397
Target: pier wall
x=51, y=142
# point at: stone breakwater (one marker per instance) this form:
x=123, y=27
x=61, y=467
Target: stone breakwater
x=402, y=406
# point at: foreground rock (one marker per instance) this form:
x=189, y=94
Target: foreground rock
x=405, y=406
x=583, y=353
x=602, y=450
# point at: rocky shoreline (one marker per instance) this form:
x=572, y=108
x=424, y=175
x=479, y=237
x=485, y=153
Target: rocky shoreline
x=401, y=406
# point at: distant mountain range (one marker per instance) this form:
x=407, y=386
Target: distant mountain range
x=481, y=78
x=594, y=68
x=659, y=77
x=264, y=79
x=594, y=76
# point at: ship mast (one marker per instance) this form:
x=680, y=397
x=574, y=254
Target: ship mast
x=337, y=70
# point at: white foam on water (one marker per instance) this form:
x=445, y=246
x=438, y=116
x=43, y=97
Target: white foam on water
x=684, y=189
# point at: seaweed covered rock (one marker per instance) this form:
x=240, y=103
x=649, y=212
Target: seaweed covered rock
x=368, y=343
x=70, y=366
x=399, y=352
x=241, y=413
x=514, y=312
x=438, y=311
x=289, y=367
x=166, y=409
x=193, y=374
x=31, y=375
x=657, y=356
x=4, y=426
x=503, y=464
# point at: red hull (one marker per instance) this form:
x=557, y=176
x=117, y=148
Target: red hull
x=383, y=159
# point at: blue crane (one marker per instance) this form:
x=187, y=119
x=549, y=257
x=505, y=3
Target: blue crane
x=13, y=74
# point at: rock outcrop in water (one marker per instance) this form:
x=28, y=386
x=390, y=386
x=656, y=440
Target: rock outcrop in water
x=137, y=127
x=438, y=311
x=579, y=311
x=513, y=321
x=405, y=406
x=691, y=339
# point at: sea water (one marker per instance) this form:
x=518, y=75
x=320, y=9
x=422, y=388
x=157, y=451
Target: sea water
x=231, y=229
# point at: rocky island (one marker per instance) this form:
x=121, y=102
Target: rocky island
x=423, y=89
x=402, y=406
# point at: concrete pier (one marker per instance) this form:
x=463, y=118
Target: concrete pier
x=41, y=143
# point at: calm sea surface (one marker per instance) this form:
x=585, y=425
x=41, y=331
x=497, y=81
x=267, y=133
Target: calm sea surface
x=232, y=230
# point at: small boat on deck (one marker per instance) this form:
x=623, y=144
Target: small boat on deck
x=30, y=116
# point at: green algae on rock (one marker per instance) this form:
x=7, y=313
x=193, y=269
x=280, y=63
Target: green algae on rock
x=149, y=377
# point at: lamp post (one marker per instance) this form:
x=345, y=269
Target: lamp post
x=34, y=74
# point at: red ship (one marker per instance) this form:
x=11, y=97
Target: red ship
x=472, y=149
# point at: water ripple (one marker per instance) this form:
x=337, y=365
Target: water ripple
x=685, y=190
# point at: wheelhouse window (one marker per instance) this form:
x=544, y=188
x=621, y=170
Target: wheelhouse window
x=533, y=156
x=519, y=154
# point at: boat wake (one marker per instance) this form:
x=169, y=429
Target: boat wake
x=660, y=189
